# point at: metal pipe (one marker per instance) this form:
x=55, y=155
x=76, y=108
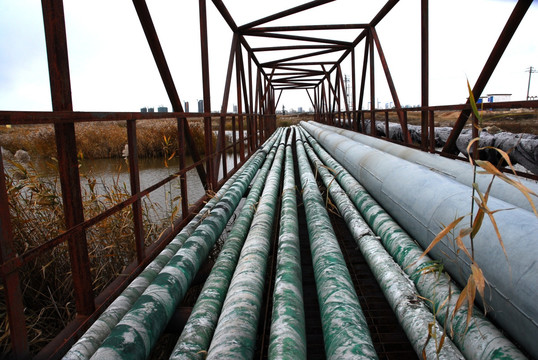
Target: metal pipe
x=412, y=312
x=457, y=170
x=436, y=202
x=288, y=334
x=345, y=332
x=196, y=336
x=235, y=334
x=88, y=343
x=477, y=342
x=139, y=329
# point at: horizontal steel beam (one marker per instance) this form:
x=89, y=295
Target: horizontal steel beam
x=302, y=56
x=298, y=38
x=297, y=47
x=285, y=13
x=309, y=27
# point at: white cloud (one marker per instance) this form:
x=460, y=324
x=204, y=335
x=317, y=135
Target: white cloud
x=112, y=68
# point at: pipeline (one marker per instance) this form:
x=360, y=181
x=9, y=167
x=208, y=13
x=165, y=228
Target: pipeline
x=439, y=199
x=457, y=170
x=416, y=319
x=88, y=343
x=345, y=331
x=198, y=331
x=235, y=334
x=287, y=337
x=139, y=329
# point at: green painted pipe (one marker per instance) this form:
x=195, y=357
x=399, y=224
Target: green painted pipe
x=198, y=331
x=482, y=340
x=88, y=343
x=235, y=335
x=139, y=329
x=345, y=332
x=288, y=336
x=399, y=290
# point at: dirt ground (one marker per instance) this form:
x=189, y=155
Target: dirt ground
x=517, y=121
x=520, y=121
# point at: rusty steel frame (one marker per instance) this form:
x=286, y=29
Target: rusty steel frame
x=500, y=46
x=60, y=88
x=257, y=101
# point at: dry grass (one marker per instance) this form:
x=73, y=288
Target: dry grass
x=37, y=215
x=100, y=140
x=521, y=121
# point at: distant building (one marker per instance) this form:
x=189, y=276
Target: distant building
x=150, y=109
x=144, y=110
x=186, y=107
x=162, y=109
x=235, y=109
x=498, y=97
x=299, y=109
x=200, y=106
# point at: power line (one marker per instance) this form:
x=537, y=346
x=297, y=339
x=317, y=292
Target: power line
x=531, y=71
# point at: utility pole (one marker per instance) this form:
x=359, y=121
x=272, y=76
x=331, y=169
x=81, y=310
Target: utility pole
x=531, y=71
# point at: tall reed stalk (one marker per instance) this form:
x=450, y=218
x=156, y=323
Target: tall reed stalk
x=37, y=215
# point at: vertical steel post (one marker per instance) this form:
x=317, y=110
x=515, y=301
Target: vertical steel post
x=234, y=140
x=387, y=133
x=325, y=106
x=134, y=179
x=354, y=92
x=425, y=71
x=240, y=67
x=60, y=84
x=251, y=104
x=211, y=170
x=314, y=102
x=239, y=103
x=432, y=130
x=336, y=101
x=329, y=102
x=372, y=83
x=10, y=277
x=338, y=97
x=344, y=91
x=182, y=177
x=363, y=82
x=258, y=105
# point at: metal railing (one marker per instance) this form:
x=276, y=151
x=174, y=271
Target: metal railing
x=359, y=121
x=248, y=132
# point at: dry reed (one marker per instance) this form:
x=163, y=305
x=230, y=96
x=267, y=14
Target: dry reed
x=37, y=215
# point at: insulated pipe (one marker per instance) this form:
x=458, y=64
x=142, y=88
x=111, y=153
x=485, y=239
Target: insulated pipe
x=198, y=331
x=86, y=346
x=235, y=335
x=345, y=332
x=458, y=170
x=288, y=335
x=482, y=340
x=395, y=184
x=139, y=329
x=399, y=290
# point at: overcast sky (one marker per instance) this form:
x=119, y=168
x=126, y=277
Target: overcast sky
x=112, y=68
